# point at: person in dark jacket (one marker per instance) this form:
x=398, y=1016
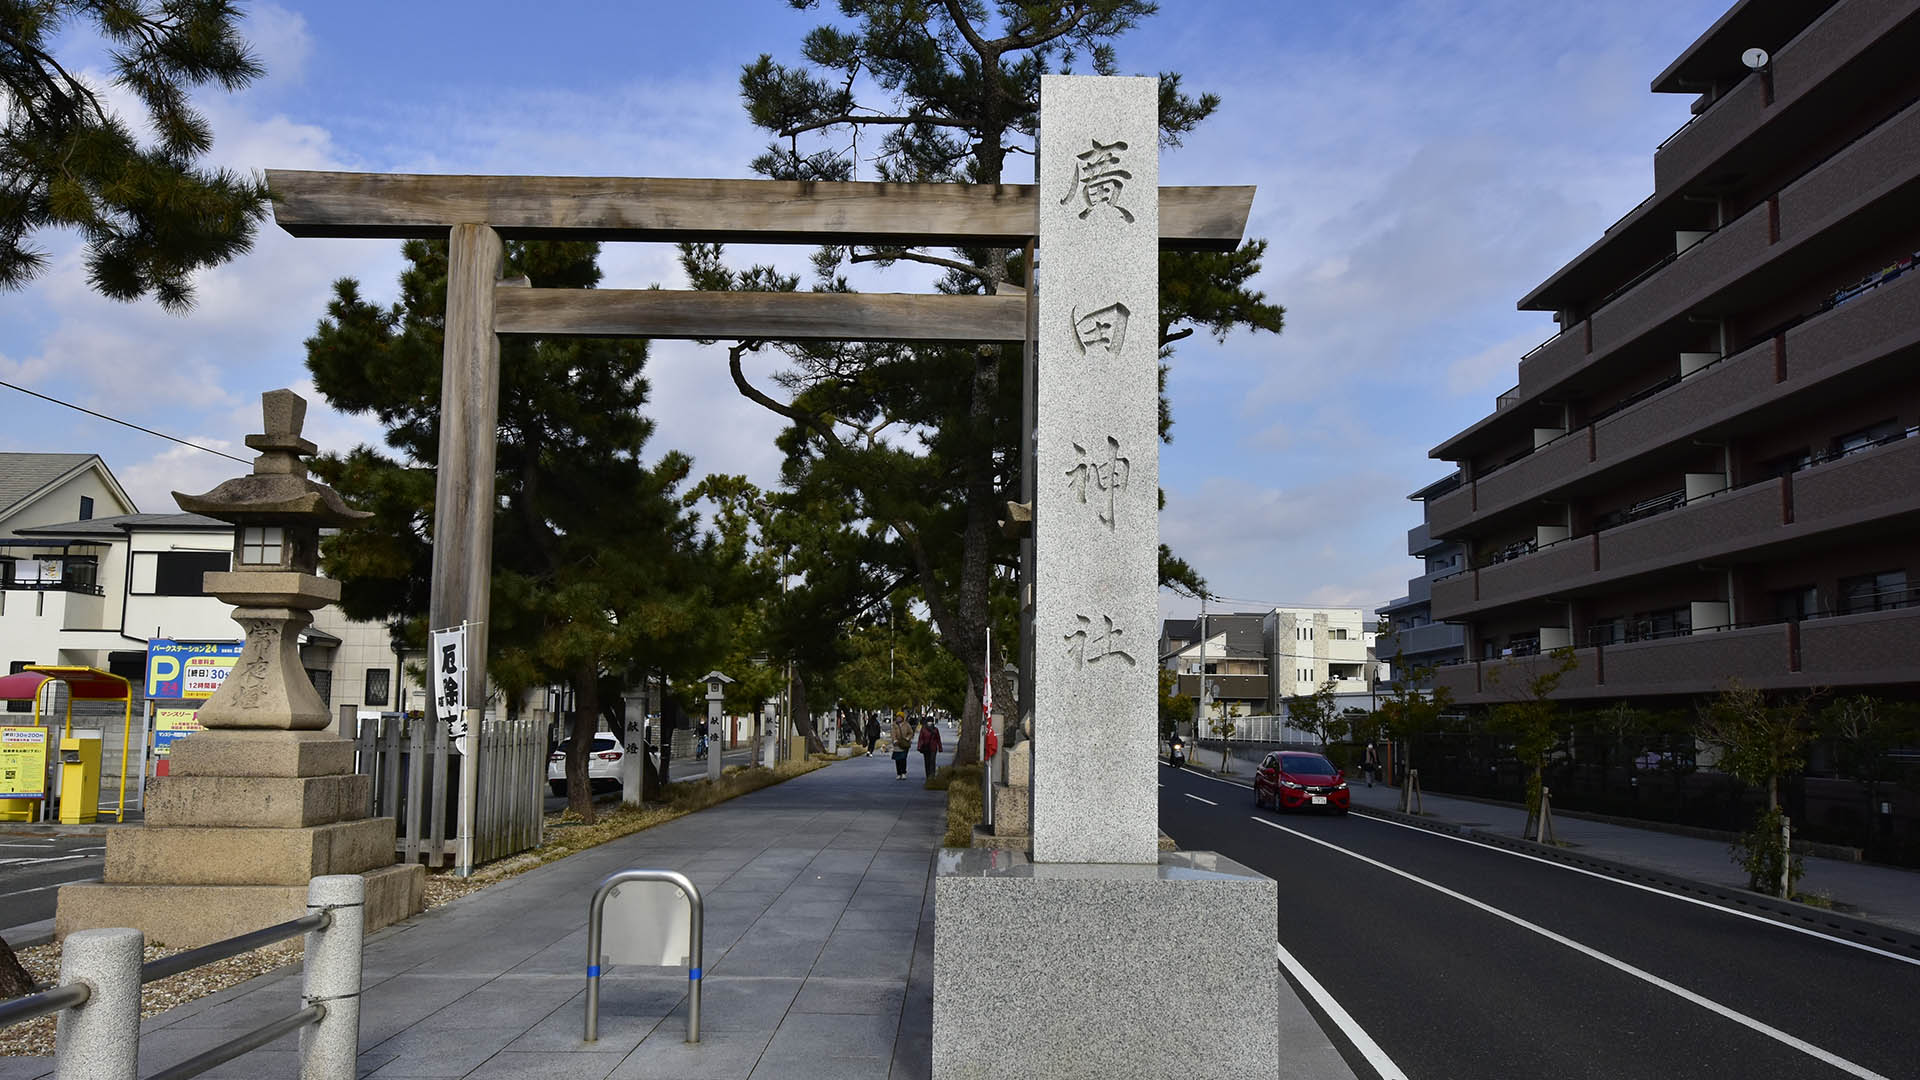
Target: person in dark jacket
x=873, y=733
x=929, y=743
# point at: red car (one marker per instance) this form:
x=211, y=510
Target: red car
x=1293, y=780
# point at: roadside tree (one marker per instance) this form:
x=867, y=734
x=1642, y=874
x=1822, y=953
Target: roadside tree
x=1760, y=742
x=598, y=574
x=1316, y=715
x=1529, y=721
x=1410, y=714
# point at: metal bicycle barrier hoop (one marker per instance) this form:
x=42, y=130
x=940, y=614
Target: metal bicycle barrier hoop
x=648, y=933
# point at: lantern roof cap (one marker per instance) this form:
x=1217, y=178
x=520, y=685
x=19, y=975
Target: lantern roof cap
x=278, y=491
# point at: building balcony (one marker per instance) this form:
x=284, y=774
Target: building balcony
x=1232, y=687
x=1868, y=649
x=58, y=605
x=1824, y=64
x=1838, y=343
x=1418, y=643
x=1420, y=540
x=1749, y=258
x=1872, y=484
x=1873, y=648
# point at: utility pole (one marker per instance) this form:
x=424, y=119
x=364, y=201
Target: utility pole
x=1200, y=706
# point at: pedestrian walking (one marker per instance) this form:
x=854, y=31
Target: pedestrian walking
x=1371, y=763
x=873, y=733
x=902, y=742
x=929, y=743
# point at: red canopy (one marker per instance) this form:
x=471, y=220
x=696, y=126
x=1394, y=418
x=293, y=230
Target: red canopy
x=84, y=683
x=22, y=687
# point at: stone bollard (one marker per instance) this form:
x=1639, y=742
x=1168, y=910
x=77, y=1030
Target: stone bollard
x=331, y=978
x=101, y=1039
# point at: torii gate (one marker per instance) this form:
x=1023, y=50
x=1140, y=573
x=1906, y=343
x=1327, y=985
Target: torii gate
x=475, y=213
x=1083, y=946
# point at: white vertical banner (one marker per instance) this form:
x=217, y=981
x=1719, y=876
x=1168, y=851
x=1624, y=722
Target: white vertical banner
x=449, y=680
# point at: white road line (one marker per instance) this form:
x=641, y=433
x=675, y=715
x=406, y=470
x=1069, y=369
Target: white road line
x=26, y=860
x=1751, y=916
x=1349, y=1027
x=1681, y=992
x=1862, y=946
x=1197, y=798
x=44, y=888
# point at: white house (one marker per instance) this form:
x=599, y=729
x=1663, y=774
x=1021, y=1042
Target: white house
x=87, y=580
x=44, y=489
x=1308, y=648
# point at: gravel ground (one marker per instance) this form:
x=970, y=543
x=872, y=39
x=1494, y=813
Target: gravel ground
x=35, y=1038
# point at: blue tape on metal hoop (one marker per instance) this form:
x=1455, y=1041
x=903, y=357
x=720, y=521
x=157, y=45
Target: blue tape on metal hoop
x=693, y=973
x=593, y=971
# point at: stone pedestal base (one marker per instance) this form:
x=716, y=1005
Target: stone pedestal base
x=1085, y=970
x=188, y=916
x=232, y=837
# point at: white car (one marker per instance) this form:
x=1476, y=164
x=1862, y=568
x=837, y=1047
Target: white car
x=603, y=764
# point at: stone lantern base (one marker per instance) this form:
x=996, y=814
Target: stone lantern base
x=232, y=837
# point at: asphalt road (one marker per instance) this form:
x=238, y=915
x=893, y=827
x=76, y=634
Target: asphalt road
x=33, y=867
x=1455, y=959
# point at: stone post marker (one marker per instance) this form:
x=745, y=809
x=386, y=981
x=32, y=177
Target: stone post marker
x=1079, y=961
x=264, y=799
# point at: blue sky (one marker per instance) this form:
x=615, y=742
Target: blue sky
x=1421, y=164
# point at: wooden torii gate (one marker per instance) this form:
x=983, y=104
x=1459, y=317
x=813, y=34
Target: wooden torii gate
x=475, y=213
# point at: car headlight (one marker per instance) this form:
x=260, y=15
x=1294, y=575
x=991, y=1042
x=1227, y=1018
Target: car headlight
x=1341, y=786
x=1290, y=785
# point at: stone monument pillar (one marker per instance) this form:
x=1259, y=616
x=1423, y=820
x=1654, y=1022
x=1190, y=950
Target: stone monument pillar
x=1078, y=961
x=265, y=798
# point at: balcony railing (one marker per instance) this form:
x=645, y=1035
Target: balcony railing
x=1840, y=296
x=86, y=588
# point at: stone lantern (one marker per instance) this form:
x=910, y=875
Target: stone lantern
x=264, y=799
x=277, y=513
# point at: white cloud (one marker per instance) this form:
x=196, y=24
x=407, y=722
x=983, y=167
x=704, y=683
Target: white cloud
x=151, y=482
x=280, y=39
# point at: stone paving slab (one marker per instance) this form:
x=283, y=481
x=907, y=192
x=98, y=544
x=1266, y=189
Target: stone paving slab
x=819, y=923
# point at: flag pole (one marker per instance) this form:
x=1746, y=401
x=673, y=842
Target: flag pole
x=986, y=725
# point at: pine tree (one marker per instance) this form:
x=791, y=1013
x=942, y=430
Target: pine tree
x=599, y=576
x=150, y=215
x=963, y=90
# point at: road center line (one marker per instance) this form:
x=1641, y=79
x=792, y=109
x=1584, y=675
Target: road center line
x=1349, y=1027
x=1648, y=977
x=1862, y=946
x=1197, y=798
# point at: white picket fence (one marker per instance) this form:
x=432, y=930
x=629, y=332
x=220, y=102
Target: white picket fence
x=1260, y=729
x=416, y=781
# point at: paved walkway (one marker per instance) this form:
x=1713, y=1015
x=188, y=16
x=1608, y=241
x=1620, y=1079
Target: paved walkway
x=819, y=948
x=1882, y=894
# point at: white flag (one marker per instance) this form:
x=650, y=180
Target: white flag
x=449, y=678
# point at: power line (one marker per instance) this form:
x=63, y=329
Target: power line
x=122, y=423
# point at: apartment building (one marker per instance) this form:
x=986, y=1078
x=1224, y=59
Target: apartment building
x=1710, y=472
x=1234, y=661
x=1411, y=642
x=1308, y=648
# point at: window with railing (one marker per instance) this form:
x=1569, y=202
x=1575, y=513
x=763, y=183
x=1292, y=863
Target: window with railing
x=1877, y=591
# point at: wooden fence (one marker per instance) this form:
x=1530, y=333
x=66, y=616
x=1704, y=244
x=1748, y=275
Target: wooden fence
x=416, y=781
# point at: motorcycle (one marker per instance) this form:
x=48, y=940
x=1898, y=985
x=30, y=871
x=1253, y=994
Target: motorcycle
x=1176, y=753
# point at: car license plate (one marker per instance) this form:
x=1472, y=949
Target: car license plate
x=1319, y=800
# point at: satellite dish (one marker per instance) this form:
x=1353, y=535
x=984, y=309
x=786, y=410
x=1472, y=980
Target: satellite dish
x=1755, y=58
